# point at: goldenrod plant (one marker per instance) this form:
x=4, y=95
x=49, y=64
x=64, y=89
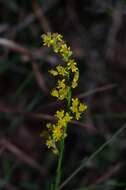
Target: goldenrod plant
x=67, y=76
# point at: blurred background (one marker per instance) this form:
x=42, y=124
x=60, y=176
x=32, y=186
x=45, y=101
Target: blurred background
x=96, y=32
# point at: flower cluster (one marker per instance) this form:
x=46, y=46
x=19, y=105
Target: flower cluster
x=77, y=108
x=70, y=70
x=67, y=78
x=57, y=130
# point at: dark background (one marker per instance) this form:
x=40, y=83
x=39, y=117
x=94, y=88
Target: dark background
x=96, y=32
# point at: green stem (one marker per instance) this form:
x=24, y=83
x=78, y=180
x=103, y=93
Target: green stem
x=61, y=151
x=69, y=99
x=58, y=171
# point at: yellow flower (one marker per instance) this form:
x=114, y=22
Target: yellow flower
x=61, y=90
x=55, y=93
x=74, y=68
x=82, y=107
x=72, y=65
x=77, y=108
x=75, y=102
x=67, y=117
x=59, y=46
x=63, y=93
x=59, y=114
x=50, y=143
x=57, y=133
x=58, y=40
x=78, y=115
x=74, y=106
x=56, y=48
x=49, y=126
x=63, y=118
x=75, y=79
x=61, y=84
x=59, y=37
x=60, y=93
x=65, y=51
x=61, y=70
x=53, y=72
x=46, y=39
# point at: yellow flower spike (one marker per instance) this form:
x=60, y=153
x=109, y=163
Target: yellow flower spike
x=68, y=79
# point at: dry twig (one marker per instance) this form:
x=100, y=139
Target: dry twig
x=22, y=156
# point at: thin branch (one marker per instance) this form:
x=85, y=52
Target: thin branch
x=96, y=90
x=40, y=116
x=41, y=17
x=85, y=161
x=22, y=156
x=112, y=170
x=14, y=46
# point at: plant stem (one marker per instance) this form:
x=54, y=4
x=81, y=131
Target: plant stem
x=58, y=171
x=61, y=151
